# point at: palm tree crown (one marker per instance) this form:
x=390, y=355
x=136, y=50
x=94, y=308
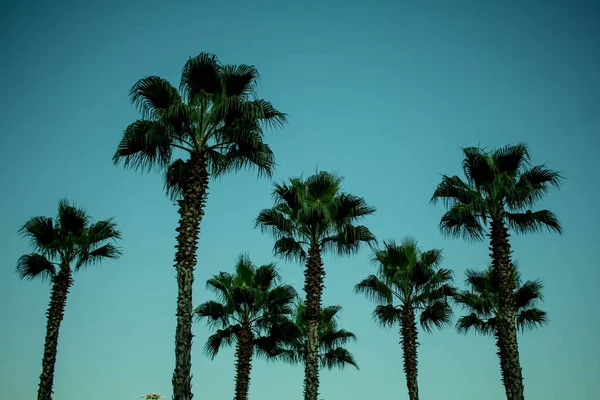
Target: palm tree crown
x=409, y=279
x=480, y=301
x=215, y=115
x=251, y=298
x=332, y=339
x=315, y=212
x=69, y=238
x=501, y=184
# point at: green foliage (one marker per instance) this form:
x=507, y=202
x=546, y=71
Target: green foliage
x=409, y=278
x=500, y=184
x=480, y=301
x=313, y=211
x=214, y=114
x=293, y=334
x=251, y=298
x=71, y=237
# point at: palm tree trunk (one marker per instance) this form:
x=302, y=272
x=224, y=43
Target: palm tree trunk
x=191, y=210
x=313, y=287
x=243, y=364
x=507, y=330
x=58, y=299
x=408, y=340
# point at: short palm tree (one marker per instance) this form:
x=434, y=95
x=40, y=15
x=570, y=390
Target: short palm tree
x=481, y=300
x=251, y=302
x=332, y=352
x=216, y=121
x=409, y=282
x=500, y=189
x=62, y=246
x=312, y=216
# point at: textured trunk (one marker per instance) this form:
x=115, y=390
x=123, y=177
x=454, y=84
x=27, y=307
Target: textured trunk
x=58, y=299
x=508, y=349
x=313, y=287
x=243, y=364
x=190, y=214
x=408, y=340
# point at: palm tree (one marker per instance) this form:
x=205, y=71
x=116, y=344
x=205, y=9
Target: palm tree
x=500, y=188
x=62, y=246
x=312, y=216
x=481, y=301
x=216, y=121
x=250, y=302
x=409, y=281
x=331, y=350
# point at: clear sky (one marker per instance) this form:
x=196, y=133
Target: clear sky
x=385, y=93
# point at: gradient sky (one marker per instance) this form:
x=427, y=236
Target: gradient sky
x=385, y=93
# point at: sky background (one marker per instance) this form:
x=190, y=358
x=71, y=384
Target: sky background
x=385, y=93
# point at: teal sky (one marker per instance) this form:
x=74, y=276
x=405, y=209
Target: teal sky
x=385, y=93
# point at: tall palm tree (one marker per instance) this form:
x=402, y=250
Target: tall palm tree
x=62, y=245
x=216, y=122
x=409, y=282
x=250, y=302
x=500, y=189
x=481, y=301
x=312, y=216
x=332, y=352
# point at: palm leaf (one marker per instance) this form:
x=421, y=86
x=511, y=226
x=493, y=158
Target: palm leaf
x=436, y=314
x=153, y=95
x=528, y=222
x=145, y=144
x=31, y=266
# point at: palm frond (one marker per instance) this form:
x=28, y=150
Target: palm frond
x=348, y=240
x=462, y=221
x=453, y=191
x=265, y=277
x=222, y=337
x=31, y=266
x=274, y=222
x=175, y=177
x=220, y=284
x=531, y=186
x=387, y=315
x=240, y=80
x=153, y=95
x=533, y=221
x=98, y=254
x=471, y=322
x=528, y=294
x=289, y=249
x=436, y=314
x=102, y=231
x=213, y=312
x=338, y=358
x=71, y=219
x=322, y=187
x=248, y=156
x=40, y=232
x=375, y=289
x=201, y=75
x=511, y=159
x=477, y=168
x=145, y=145
x=347, y=208
x=531, y=318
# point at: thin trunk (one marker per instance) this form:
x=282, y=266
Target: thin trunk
x=243, y=364
x=191, y=210
x=313, y=287
x=507, y=330
x=408, y=340
x=58, y=299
